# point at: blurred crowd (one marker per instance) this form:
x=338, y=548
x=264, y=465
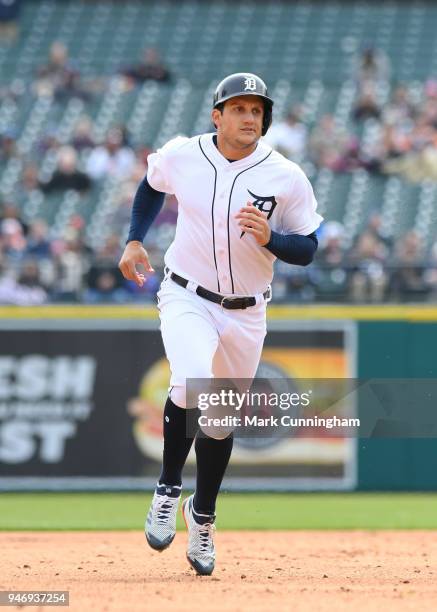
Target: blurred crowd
x=36, y=268
x=37, y=263
x=374, y=269
x=393, y=131
x=388, y=131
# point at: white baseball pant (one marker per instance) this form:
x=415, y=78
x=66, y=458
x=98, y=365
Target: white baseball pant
x=204, y=340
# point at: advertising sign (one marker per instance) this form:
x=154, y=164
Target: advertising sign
x=81, y=402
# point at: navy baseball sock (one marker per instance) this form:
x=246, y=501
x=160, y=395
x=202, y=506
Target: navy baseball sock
x=180, y=426
x=212, y=460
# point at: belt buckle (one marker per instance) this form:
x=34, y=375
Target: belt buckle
x=231, y=300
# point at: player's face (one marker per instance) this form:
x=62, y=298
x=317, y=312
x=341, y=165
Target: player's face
x=240, y=123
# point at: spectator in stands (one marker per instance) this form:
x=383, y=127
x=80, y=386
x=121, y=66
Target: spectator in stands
x=83, y=134
x=8, y=147
x=59, y=77
x=10, y=211
x=409, y=135
x=105, y=286
x=72, y=263
x=110, y=252
x=39, y=249
x=375, y=227
x=113, y=158
x=49, y=141
x=400, y=107
x=9, y=13
x=372, y=66
x=368, y=279
x=331, y=251
x=150, y=67
x=409, y=280
x=396, y=141
x=366, y=106
x=330, y=263
x=54, y=70
x=293, y=283
x=67, y=175
x=38, y=243
x=104, y=282
x=419, y=163
x=27, y=290
x=28, y=184
x=289, y=136
x=329, y=144
x=13, y=242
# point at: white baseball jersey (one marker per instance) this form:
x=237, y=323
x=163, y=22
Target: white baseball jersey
x=209, y=247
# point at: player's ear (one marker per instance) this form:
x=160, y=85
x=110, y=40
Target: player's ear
x=216, y=116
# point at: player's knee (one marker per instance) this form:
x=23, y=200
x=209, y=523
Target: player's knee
x=178, y=396
x=178, y=393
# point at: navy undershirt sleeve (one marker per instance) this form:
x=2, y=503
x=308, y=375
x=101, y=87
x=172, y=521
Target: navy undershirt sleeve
x=146, y=207
x=293, y=248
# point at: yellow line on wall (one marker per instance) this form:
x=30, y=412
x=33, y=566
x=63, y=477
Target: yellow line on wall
x=395, y=312
x=275, y=312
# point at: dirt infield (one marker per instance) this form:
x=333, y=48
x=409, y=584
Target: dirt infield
x=255, y=571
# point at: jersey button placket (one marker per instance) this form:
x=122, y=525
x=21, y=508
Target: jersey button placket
x=222, y=256
x=222, y=233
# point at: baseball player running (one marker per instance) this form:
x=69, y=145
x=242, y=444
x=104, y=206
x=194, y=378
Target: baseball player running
x=241, y=206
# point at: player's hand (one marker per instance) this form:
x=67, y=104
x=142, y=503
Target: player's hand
x=135, y=254
x=252, y=221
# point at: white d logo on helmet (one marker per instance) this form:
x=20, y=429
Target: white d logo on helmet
x=250, y=84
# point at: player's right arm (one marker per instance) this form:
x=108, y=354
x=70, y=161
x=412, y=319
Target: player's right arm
x=148, y=202
x=146, y=207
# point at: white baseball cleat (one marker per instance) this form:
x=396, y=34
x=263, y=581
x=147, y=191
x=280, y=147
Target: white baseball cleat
x=200, y=550
x=160, y=527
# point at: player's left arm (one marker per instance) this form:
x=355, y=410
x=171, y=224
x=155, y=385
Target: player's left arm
x=291, y=248
x=296, y=243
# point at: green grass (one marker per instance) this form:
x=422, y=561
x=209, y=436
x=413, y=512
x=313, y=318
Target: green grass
x=58, y=511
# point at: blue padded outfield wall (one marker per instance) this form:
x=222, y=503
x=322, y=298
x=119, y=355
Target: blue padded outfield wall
x=398, y=349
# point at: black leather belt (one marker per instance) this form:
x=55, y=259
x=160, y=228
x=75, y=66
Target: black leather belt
x=226, y=302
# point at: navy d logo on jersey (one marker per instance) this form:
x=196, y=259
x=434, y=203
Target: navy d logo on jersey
x=265, y=204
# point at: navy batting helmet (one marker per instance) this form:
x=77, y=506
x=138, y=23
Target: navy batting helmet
x=245, y=84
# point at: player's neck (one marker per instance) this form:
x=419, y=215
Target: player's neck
x=232, y=153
